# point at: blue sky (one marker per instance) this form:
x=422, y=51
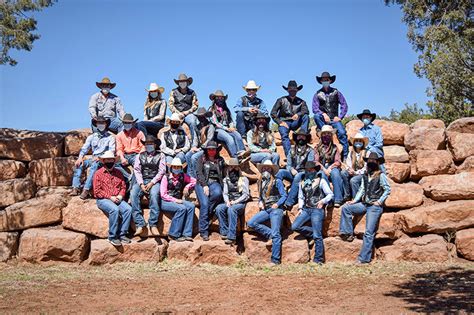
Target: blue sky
x=221, y=44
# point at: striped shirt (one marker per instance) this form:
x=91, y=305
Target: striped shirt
x=107, y=184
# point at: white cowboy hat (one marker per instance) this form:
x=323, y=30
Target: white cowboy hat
x=360, y=136
x=107, y=155
x=268, y=163
x=251, y=85
x=155, y=87
x=327, y=128
x=175, y=117
x=176, y=162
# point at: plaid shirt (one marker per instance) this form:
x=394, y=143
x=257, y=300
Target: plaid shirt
x=107, y=184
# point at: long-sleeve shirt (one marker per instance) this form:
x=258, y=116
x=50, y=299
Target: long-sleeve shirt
x=137, y=170
x=336, y=163
x=383, y=182
x=281, y=190
x=210, y=131
x=98, y=142
x=281, y=112
x=245, y=191
x=289, y=160
x=349, y=163
x=108, y=183
x=220, y=125
x=250, y=104
x=255, y=148
x=342, y=102
x=171, y=151
x=130, y=142
x=188, y=180
x=108, y=107
x=173, y=109
x=374, y=133
x=155, y=112
x=323, y=184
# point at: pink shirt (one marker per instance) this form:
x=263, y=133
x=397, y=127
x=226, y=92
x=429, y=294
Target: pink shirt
x=190, y=181
x=129, y=142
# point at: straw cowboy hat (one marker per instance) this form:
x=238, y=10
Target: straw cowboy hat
x=367, y=112
x=128, y=119
x=374, y=156
x=326, y=75
x=105, y=82
x=177, y=162
x=292, y=84
x=268, y=163
x=360, y=136
x=175, y=117
x=218, y=93
x=301, y=132
x=155, y=87
x=251, y=85
x=149, y=139
x=107, y=155
x=202, y=112
x=326, y=129
x=101, y=119
x=183, y=78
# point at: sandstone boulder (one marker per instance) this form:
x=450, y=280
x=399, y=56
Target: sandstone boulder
x=74, y=140
x=388, y=227
x=466, y=166
x=393, y=132
x=395, y=154
x=398, y=172
x=54, y=190
x=16, y=190
x=428, y=248
x=353, y=127
x=430, y=162
x=52, y=171
x=10, y=169
x=8, y=245
x=402, y=196
x=423, y=138
x=84, y=216
x=449, y=187
x=460, y=144
x=337, y=250
x=464, y=243
x=462, y=125
x=428, y=123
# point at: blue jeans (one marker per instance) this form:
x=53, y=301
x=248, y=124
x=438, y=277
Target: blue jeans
x=207, y=205
x=150, y=127
x=338, y=188
x=243, y=125
x=191, y=160
x=371, y=224
x=180, y=155
x=119, y=217
x=182, y=222
x=340, y=129
x=260, y=157
x=232, y=140
x=191, y=121
x=228, y=219
x=153, y=197
x=275, y=216
x=130, y=157
x=93, y=167
x=115, y=127
x=294, y=188
x=314, y=232
x=302, y=121
x=351, y=184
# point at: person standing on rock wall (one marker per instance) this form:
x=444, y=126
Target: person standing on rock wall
x=247, y=107
x=154, y=111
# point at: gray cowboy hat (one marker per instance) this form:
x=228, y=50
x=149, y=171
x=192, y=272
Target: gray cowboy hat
x=311, y=164
x=374, y=156
x=292, y=84
x=301, y=132
x=202, y=112
x=268, y=163
x=211, y=145
x=128, y=119
x=325, y=74
x=217, y=93
x=183, y=77
x=261, y=116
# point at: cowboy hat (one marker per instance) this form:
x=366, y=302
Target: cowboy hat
x=217, y=93
x=202, y=112
x=128, y=119
x=105, y=82
x=210, y=145
x=233, y=162
x=301, y=132
x=311, y=164
x=292, y=84
x=155, y=87
x=182, y=77
x=177, y=162
x=251, y=85
x=101, y=119
x=325, y=74
x=175, y=117
x=326, y=128
x=151, y=139
x=107, y=155
x=268, y=163
x=360, y=136
x=261, y=116
x=374, y=156
x=367, y=112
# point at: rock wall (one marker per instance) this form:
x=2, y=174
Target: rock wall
x=428, y=217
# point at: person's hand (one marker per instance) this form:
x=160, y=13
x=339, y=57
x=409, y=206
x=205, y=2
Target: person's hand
x=124, y=161
x=229, y=204
x=294, y=172
x=148, y=186
x=179, y=200
x=194, y=149
x=78, y=162
x=336, y=119
x=176, y=151
x=350, y=202
x=260, y=205
x=231, y=129
x=274, y=206
x=143, y=188
x=320, y=205
x=378, y=204
x=351, y=172
x=182, y=115
x=283, y=124
x=265, y=151
x=206, y=190
x=115, y=199
x=186, y=192
x=253, y=110
x=326, y=117
x=294, y=117
x=299, y=212
x=327, y=172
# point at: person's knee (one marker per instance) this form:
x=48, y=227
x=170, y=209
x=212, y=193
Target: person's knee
x=251, y=224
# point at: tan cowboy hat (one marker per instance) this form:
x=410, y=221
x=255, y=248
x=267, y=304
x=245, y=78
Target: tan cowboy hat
x=177, y=162
x=182, y=77
x=326, y=129
x=217, y=93
x=107, y=155
x=175, y=117
x=155, y=87
x=268, y=163
x=360, y=136
x=105, y=81
x=251, y=85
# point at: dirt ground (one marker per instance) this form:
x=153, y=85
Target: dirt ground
x=174, y=287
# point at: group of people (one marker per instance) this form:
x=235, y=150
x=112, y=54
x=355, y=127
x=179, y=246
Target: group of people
x=165, y=158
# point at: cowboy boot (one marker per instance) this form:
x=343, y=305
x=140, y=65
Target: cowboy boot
x=85, y=194
x=75, y=192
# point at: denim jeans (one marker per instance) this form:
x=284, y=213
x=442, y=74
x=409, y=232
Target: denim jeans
x=303, y=122
x=119, y=217
x=373, y=214
x=207, y=205
x=260, y=157
x=243, y=125
x=93, y=167
x=346, y=184
x=182, y=222
x=191, y=121
x=150, y=127
x=314, y=232
x=275, y=216
x=191, y=160
x=228, y=219
x=294, y=188
x=115, y=127
x=351, y=184
x=154, y=204
x=232, y=140
x=180, y=155
x=340, y=129
x=336, y=180
x=130, y=157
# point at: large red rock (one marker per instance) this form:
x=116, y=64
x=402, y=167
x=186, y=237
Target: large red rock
x=10, y=169
x=16, y=190
x=25, y=145
x=52, y=171
x=466, y=166
x=337, y=250
x=428, y=248
x=393, y=132
x=423, y=138
x=53, y=244
x=8, y=245
x=150, y=249
x=438, y=218
x=460, y=144
x=388, y=227
x=465, y=243
x=462, y=125
x=395, y=154
x=430, y=162
x=54, y=190
x=164, y=223
x=449, y=187
x=74, y=140
x=84, y=216
x=34, y=212
x=428, y=123
x=403, y=196
x=353, y=127
x=398, y=172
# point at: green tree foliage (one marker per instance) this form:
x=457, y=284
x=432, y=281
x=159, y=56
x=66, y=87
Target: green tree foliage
x=16, y=28
x=443, y=34
x=409, y=114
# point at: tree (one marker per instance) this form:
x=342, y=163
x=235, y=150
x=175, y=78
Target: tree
x=442, y=32
x=16, y=28
x=409, y=114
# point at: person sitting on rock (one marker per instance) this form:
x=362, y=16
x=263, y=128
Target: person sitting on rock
x=327, y=154
x=210, y=171
x=98, y=143
x=290, y=113
x=129, y=144
x=107, y=105
x=154, y=112
x=369, y=200
x=149, y=169
x=236, y=194
x=300, y=153
x=174, y=189
x=222, y=120
x=174, y=141
x=206, y=133
x=261, y=142
x=109, y=190
x=371, y=132
x=247, y=107
x=272, y=196
x=354, y=166
x=314, y=194
x=326, y=102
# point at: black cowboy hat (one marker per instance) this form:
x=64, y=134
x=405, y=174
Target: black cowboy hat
x=202, y=112
x=311, y=164
x=217, y=93
x=374, y=156
x=301, y=132
x=101, y=119
x=210, y=145
x=292, y=84
x=325, y=74
x=367, y=112
x=150, y=138
x=262, y=116
x=128, y=119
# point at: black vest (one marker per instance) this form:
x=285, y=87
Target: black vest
x=262, y=140
x=269, y=197
x=213, y=171
x=183, y=102
x=373, y=189
x=150, y=164
x=176, y=191
x=329, y=102
x=181, y=139
x=299, y=156
x=312, y=192
x=324, y=159
x=288, y=109
x=255, y=104
x=233, y=189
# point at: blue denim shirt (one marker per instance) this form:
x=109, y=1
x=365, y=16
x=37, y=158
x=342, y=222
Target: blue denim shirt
x=374, y=134
x=238, y=107
x=385, y=186
x=99, y=143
